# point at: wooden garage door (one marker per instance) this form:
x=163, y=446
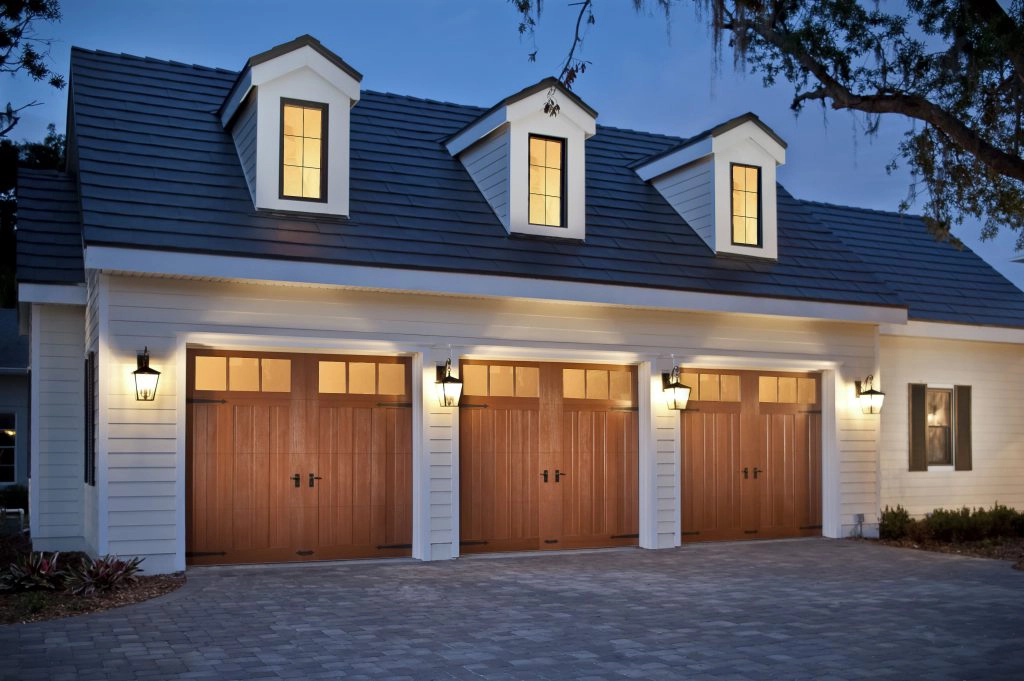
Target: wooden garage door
x=548, y=456
x=751, y=456
x=297, y=457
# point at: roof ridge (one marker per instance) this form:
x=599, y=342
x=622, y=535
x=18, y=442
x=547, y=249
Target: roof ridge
x=151, y=60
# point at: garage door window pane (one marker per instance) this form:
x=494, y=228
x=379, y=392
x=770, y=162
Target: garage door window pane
x=807, y=390
x=730, y=387
x=392, y=379
x=362, y=378
x=277, y=375
x=787, y=389
x=332, y=378
x=501, y=381
x=211, y=373
x=597, y=384
x=769, y=388
x=244, y=374
x=474, y=379
x=527, y=382
x=574, y=384
x=620, y=385
x=709, y=388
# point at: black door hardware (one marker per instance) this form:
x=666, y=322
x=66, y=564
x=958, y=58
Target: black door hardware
x=203, y=400
x=307, y=552
x=550, y=541
x=394, y=404
x=296, y=479
x=746, y=472
x=559, y=474
x=472, y=542
x=545, y=475
x=625, y=536
x=393, y=546
x=757, y=471
x=201, y=554
x=312, y=479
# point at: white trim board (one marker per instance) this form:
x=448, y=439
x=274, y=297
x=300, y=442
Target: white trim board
x=201, y=265
x=55, y=294
x=963, y=332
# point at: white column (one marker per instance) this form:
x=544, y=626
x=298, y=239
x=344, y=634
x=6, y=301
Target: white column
x=435, y=464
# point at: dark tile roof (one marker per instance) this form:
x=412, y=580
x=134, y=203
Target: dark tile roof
x=157, y=170
x=938, y=281
x=49, y=228
x=13, y=347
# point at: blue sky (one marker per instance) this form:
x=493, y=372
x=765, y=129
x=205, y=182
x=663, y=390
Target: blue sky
x=644, y=74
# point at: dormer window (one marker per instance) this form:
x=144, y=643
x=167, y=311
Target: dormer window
x=303, y=143
x=547, y=181
x=746, y=205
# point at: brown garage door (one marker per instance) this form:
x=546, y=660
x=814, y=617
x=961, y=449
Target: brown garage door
x=751, y=456
x=548, y=456
x=297, y=457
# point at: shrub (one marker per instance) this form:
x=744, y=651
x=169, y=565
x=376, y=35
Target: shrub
x=33, y=571
x=108, y=573
x=894, y=523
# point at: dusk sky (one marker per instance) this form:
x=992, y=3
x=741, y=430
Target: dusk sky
x=644, y=74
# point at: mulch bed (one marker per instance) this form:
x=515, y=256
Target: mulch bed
x=35, y=606
x=1011, y=549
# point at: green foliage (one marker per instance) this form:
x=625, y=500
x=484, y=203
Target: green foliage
x=104, y=574
x=34, y=571
x=22, y=51
x=894, y=523
x=952, y=525
x=955, y=70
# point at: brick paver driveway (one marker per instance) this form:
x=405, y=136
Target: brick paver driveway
x=802, y=609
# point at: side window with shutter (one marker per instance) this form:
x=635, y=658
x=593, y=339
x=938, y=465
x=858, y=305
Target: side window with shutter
x=940, y=427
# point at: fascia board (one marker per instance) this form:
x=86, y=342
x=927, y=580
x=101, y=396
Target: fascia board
x=200, y=265
x=752, y=132
x=959, y=332
x=568, y=110
x=477, y=131
x=309, y=58
x=675, y=160
x=52, y=294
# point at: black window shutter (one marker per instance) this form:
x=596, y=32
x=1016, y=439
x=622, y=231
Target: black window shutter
x=962, y=427
x=90, y=418
x=918, y=427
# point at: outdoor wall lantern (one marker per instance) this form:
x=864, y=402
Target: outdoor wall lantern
x=448, y=387
x=870, y=399
x=146, y=379
x=676, y=394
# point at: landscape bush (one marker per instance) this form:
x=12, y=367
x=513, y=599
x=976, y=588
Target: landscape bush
x=108, y=573
x=952, y=525
x=33, y=571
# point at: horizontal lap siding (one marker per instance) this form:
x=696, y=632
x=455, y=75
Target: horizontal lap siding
x=153, y=312
x=58, y=364
x=995, y=373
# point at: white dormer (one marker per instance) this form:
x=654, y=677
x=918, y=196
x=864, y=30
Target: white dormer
x=530, y=165
x=288, y=113
x=722, y=182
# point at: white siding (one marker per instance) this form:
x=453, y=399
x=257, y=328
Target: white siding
x=244, y=133
x=156, y=312
x=995, y=373
x=690, y=190
x=487, y=163
x=58, y=339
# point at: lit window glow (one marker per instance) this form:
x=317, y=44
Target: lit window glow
x=546, y=181
x=746, y=205
x=302, y=151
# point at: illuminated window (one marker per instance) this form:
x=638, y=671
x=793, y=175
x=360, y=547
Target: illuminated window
x=303, y=138
x=547, y=181
x=939, y=444
x=746, y=205
x=7, y=435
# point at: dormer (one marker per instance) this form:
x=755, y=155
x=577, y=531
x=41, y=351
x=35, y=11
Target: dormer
x=288, y=113
x=530, y=165
x=722, y=182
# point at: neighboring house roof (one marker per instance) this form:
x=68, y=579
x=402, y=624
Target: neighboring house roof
x=157, y=170
x=938, y=281
x=49, y=228
x=13, y=347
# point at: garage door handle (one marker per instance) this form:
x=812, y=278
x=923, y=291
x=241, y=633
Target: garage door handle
x=297, y=479
x=545, y=475
x=559, y=475
x=746, y=473
x=757, y=471
x=313, y=478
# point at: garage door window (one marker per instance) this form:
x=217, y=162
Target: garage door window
x=361, y=378
x=708, y=387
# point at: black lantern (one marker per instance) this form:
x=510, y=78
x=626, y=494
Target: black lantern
x=870, y=399
x=146, y=379
x=448, y=387
x=676, y=394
